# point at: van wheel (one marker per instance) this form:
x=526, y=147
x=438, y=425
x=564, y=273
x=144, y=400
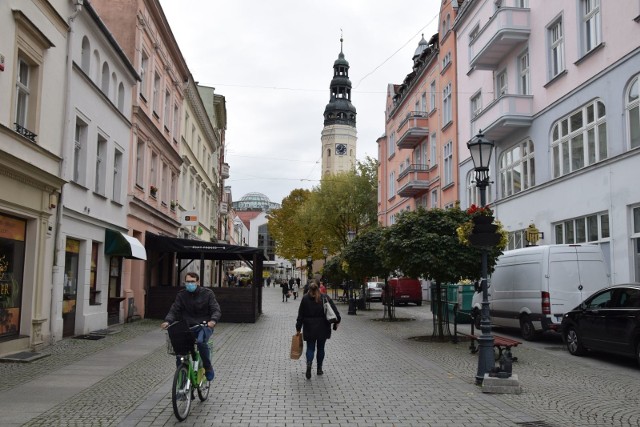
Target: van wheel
x=419, y=303
x=574, y=344
x=526, y=329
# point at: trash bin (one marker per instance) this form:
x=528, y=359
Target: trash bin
x=362, y=304
x=463, y=295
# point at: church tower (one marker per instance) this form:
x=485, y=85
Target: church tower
x=339, y=132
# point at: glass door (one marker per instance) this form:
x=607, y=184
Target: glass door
x=12, y=247
x=70, y=287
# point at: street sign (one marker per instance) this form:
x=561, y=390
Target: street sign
x=189, y=217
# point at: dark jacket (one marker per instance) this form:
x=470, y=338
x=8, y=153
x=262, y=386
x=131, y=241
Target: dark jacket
x=312, y=320
x=285, y=287
x=194, y=307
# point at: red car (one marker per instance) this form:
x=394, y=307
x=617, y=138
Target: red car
x=405, y=290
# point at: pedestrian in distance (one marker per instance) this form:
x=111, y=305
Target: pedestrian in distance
x=292, y=288
x=323, y=288
x=315, y=327
x=195, y=305
x=285, y=291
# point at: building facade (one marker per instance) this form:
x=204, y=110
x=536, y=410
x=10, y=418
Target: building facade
x=33, y=81
x=567, y=131
x=418, y=154
x=87, y=292
x=141, y=28
x=339, y=135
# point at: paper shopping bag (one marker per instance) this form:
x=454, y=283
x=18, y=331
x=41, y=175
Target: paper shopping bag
x=296, y=346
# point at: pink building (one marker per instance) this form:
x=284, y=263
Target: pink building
x=418, y=153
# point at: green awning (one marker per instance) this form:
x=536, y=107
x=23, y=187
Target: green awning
x=120, y=244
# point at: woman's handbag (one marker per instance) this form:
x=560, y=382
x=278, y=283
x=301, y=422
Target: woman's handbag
x=328, y=311
x=296, y=346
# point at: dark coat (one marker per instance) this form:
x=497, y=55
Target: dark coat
x=195, y=307
x=312, y=320
x=285, y=287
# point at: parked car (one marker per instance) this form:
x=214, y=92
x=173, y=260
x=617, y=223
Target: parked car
x=607, y=321
x=532, y=288
x=374, y=291
x=405, y=290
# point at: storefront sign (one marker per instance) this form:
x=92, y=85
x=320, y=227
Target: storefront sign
x=12, y=228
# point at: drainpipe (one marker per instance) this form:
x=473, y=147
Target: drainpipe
x=58, y=266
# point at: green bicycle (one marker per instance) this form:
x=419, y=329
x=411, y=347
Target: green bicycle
x=190, y=372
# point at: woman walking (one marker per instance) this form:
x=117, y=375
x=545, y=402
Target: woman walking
x=315, y=327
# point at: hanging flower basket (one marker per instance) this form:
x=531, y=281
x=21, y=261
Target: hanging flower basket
x=482, y=219
x=484, y=240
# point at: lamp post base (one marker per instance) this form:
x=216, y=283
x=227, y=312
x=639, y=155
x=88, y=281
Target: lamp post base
x=352, y=307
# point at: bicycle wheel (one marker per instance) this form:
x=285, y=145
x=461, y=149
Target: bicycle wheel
x=203, y=389
x=181, y=393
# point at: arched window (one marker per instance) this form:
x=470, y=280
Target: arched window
x=517, y=169
x=96, y=66
x=632, y=101
x=114, y=87
x=328, y=152
x=579, y=139
x=105, y=79
x=121, y=97
x=85, y=56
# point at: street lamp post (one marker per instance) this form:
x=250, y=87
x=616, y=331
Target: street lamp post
x=481, y=149
x=309, y=268
x=352, y=301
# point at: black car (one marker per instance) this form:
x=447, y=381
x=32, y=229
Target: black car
x=607, y=321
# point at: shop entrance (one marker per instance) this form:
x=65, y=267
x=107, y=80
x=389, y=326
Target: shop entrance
x=115, y=290
x=70, y=287
x=12, y=238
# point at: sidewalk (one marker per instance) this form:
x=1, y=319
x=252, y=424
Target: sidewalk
x=374, y=376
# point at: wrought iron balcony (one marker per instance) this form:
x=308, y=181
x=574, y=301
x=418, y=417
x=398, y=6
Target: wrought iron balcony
x=506, y=29
x=503, y=116
x=413, y=129
x=25, y=132
x=413, y=180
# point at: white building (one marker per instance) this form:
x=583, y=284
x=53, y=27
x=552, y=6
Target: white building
x=555, y=86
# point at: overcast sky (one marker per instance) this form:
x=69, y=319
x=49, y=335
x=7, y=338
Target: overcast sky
x=273, y=62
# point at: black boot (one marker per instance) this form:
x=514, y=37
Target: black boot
x=308, y=373
x=319, y=371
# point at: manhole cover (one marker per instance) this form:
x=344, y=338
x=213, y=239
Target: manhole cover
x=23, y=356
x=89, y=337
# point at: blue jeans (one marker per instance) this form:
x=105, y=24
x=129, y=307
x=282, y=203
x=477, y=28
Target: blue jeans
x=311, y=348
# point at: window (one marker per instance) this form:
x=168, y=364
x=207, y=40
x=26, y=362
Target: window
x=591, y=36
x=516, y=239
x=117, y=176
x=433, y=157
x=424, y=155
x=101, y=165
x=392, y=184
x=632, y=102
x=144, y=65
x=167, y=110
x=423, y=102
x=522, y=3
x=121, y=97
x=85, y=56
x=22, y=93
x=591, y=228
x=164, y=184
x=176, y=121
x=448, y=163
x=391, y=148
x=446, y=105
x=517, y=169
x=579, y=139
x=434, y=198
x=476, y=105
x=556, y=49
x=156, y=93
x=501, y=83
x=140, y=163
x=79, y=151
x=446, y=60
x=523, y=70
x=104, y=86
x=474, y=33
x=153, y=171
x=432, y=88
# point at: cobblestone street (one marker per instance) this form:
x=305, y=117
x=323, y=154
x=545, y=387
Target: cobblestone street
x=375, y=375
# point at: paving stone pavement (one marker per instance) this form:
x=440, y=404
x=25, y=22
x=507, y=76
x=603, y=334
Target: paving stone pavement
x=375, y=375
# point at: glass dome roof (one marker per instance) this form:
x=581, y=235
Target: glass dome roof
x=255, y=201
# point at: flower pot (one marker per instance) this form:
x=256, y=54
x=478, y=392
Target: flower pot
x=484, y=228
x=485, y=239
x=482, y=219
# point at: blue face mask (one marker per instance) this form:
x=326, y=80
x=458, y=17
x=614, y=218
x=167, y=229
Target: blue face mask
x=190, y=286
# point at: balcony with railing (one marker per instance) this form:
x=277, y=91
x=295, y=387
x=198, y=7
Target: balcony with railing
x=413, y=129
x=506, y=29
x=25, y=132
x=413, y=180
x=224, y=172
x=503, y=116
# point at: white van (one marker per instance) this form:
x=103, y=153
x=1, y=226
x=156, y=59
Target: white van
x=532, y=288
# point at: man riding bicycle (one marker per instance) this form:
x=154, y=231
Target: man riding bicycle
x=195, y=305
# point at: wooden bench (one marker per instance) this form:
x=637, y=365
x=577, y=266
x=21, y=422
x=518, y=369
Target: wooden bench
x=501, y=343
